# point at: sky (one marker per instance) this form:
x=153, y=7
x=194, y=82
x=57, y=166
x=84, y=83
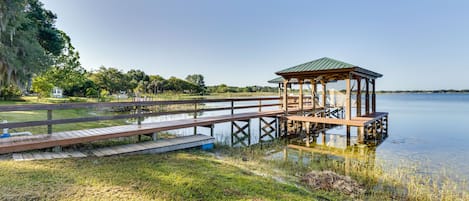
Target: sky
x=414, y=44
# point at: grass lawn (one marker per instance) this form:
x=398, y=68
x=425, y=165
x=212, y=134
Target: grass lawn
x=172, y=176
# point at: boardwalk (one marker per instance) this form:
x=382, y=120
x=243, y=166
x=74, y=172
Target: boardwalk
x=8, y=145
x=163, y=145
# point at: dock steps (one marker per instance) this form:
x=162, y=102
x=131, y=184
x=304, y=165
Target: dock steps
x=160, y=146
x=46, y=155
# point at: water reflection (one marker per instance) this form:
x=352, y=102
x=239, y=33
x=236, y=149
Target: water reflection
x=334, y=151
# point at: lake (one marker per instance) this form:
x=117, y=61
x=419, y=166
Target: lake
x=430, y=129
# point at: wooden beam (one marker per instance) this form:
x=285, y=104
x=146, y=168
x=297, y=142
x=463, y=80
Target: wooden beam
x=348, y=104
x=367, y=97
x=359, y=97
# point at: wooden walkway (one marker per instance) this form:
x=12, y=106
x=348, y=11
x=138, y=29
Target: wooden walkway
x=46, y=155
x=356, y=121
x=160, y=146
x=18, y=144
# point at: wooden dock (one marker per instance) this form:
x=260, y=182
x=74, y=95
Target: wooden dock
x=361, y=121
x=160, y=146
x=8, y=145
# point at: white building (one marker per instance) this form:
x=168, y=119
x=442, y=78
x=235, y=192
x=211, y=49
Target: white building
x=57, y=92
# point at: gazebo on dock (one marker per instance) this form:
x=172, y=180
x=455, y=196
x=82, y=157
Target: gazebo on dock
x=326, y=70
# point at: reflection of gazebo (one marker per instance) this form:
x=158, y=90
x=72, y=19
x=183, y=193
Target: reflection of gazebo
x=326, y=70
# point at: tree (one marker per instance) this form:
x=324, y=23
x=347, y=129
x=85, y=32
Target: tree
x=197, y=80
x=29, y=40
x=177, y=85
x=42, y=86
x=67, y=72
x=138, y=80
x=156, y=84
x=111, y=79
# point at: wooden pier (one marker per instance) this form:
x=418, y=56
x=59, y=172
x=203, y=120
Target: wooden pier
x=280, y=116
x=369, y=122
x=241, y=125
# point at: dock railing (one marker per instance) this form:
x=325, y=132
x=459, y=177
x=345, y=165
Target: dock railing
x=137, y=108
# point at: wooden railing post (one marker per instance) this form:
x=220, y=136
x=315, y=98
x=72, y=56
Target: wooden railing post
x=49, y=117
x=195, y=117
x=260, y=105
x=232, y=107
x=139, y=114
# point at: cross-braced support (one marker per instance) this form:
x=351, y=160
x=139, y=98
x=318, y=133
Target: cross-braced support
x=267, y=128
x=240, y=133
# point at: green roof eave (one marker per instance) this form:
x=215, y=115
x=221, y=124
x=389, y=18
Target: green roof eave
x=323, y=66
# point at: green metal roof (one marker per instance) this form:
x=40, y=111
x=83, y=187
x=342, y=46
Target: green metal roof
x=292, y=80
x=276, y=80
x=321, y=64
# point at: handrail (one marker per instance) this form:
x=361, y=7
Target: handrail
x=138, y=107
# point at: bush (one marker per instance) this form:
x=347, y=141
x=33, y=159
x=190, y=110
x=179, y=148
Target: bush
x=9, y=92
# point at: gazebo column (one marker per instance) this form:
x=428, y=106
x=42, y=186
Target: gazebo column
x=348, y=99
x=280, y=94
x=313, y=94
x=285, y=106
x=367, y=96
x=348, y=103
x=324, y=97
x=285, y=96
x=359, y=97
x=301, y=96
x=373, y=96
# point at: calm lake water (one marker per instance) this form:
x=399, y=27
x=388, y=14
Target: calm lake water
x=432, y=129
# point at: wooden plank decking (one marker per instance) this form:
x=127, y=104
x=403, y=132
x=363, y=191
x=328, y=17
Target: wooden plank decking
x=356, y=121
x=8, y=145
x=46, y=155
x=160, y=146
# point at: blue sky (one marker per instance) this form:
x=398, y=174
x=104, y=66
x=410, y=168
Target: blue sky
x=415, y=44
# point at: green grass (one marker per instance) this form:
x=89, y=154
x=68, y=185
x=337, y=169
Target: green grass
x=172, y=176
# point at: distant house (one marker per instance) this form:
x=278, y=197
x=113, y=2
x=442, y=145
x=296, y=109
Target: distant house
x=57, y=92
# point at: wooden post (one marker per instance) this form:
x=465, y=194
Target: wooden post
x=348, y=136
x=49, y=117
x=323, y=137
x=285, y=96
x=373, y=96
x=232, y=107
x=313, y=94
x=285, y=107
x=324, y=95
x=195, y=117
x=280, y=94
x=348, y=102
x=139, y=115
x=367, y=96
x=301, y=96
x=211, y=129
x=260, y=105
x=359, y=97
